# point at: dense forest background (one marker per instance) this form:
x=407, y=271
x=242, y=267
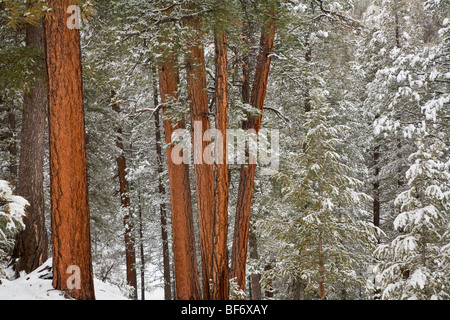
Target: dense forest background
x=358, y=91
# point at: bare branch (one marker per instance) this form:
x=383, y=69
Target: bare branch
x=278, y=113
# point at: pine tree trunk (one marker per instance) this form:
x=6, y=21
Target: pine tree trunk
x=31, y=247
x=185, y=261
x=141, y=247
x=124, y=189
x=255, y=278
x=219, y=272
x=376, y=187
x=162, y=192
x=203, y=163
x=247, y=174
x=321, y=264
x=71, y=241
x=376, y=201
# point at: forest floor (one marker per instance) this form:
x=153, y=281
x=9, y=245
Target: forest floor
x=37, y=286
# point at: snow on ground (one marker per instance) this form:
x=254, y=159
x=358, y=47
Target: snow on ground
x=32, y=287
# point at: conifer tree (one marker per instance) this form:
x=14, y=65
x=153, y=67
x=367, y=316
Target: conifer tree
x=329, y=225
x=71, y=238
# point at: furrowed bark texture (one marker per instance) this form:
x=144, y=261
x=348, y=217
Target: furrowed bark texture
x=71, y=239
x=203, y=162
x=31, y=248
x=219, y=272
x=185, y=261
x=247, y=173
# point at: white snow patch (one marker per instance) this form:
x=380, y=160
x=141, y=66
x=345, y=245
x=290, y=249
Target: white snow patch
x=418, y=279
x=32, y=287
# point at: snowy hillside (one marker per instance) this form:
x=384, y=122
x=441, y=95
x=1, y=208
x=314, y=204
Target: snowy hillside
x=34, y=286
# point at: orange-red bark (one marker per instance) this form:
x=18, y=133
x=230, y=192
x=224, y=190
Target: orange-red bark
x=185, y=262
x=71, y=239
x=203, y=162
x=247, y=173
x=219, y=272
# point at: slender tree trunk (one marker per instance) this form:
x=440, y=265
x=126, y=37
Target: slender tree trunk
x=219, y=272
x=255, y=278
x=185, y=261
x=397, y=29
x=308, y=58
x=203, y=162
x=141, y=247
x=247, y=174
x=71, y=240
x=321, y=264
x=31, y=248
x=400, y=181
x=162, y=192
x=376, y=203
x=128, y=223
x=376, y=187
x=248, y=32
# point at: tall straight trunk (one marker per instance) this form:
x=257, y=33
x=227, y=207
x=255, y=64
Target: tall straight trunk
x=141, y=247
x=71, y=240
x=376, y=200
x=248, y=32
x=31, y=247
x=400, y=181
x=185, y=261
x=219, y=270
x=376, y=187
x=203, y=163
x=321, y=264
x=124, y=189
x=162, y=192
x=308, y=58
x=247, y=173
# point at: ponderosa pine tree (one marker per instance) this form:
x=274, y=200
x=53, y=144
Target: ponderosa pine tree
x=203, y=162
x=185, y=260
x=247, y=173
x=332, y=82
x=71, y=239
x=219, y=272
